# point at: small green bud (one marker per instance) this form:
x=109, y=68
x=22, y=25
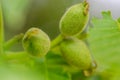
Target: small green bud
x=76, y=53
x=36, y=42
x=75, y=19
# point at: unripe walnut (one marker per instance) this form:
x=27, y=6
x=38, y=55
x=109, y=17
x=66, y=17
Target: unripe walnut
x=36, y=42
x=75, y=19
x=76, y=53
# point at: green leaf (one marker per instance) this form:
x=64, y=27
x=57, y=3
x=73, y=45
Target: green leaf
x=52, y=68
x=54, y=60
x=105, y=44
x=52, y=71
x=55, y=65
x=58, y=74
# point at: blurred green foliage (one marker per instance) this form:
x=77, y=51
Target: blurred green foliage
x=22, y=14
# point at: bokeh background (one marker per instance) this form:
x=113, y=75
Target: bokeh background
x=20, y=15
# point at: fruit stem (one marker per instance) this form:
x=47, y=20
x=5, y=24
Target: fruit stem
x=16, y=55
x=12, y=41
x=1, y=32
x=57, y=41
x=2, y=55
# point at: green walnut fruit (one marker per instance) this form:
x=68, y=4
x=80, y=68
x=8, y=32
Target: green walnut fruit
x=75, y=19
x=36, y=42
x=76, y=53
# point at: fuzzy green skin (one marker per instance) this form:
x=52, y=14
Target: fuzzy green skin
x=36, y=42
x=74, y=20
x=76, y=53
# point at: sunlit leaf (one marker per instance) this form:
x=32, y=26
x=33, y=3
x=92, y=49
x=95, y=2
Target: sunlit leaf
x=105, y=44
